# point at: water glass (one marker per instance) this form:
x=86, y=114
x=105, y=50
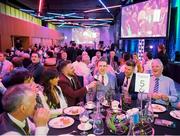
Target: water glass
x=100, y=95
x=84, y=117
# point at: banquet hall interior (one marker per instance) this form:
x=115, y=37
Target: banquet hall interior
x=89, y=67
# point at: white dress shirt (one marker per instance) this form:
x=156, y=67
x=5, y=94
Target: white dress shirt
x=38, y=130
x=166, y=86
x=105, y=79
x=129, y=81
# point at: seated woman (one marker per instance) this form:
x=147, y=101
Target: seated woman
x=55, y=97
x=23, y=75
x=138, y=67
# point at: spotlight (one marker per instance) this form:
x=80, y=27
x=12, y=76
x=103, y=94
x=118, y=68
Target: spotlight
x=150, y=46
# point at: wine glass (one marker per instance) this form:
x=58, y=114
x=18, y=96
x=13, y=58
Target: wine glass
x=84, y=117
x=100, y=95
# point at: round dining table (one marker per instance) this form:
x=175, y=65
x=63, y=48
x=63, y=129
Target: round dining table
x=159, y=130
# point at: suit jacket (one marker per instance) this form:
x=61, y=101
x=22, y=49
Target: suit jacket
x=120, y=81
x=37, y=70
x=112, y=83
x=7, y=125
x=72, y=95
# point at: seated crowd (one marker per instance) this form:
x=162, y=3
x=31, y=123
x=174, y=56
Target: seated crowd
x=37, y=83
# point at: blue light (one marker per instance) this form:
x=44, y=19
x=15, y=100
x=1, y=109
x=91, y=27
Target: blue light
x=73, y=16
x=56, y=14
x=69, y=26
x=65, y=15
x=27, y=10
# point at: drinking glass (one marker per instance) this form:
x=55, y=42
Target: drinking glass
x=100, y=97
x=84, y=117
x=89, y=97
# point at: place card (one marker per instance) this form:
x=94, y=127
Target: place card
x=142, y=83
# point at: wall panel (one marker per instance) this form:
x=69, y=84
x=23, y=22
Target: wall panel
x=11, y=26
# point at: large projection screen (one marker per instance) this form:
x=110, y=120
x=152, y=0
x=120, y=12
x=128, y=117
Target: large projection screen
x=147, y=19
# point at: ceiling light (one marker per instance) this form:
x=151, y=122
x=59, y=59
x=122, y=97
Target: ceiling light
x=40, y=7
x=98, y=9
x=104, y=6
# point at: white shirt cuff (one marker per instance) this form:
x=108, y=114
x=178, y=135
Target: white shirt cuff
x=87, y=88
x=41, y=131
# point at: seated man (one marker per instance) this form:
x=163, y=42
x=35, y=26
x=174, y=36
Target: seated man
x=5, y=65
x=162, y=88
x=19, y=102
x=126, y=80
x=36, y=67
x=70, y=84
x=107, y=80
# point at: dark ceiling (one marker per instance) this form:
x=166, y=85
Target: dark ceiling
x=72, y=12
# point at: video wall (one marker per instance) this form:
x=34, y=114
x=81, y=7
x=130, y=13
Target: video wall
x=145, y=19
x=86, y=35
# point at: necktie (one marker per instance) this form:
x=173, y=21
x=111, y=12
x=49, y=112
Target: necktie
x=26, y=129
x=1, y=66
x=126, y=83
x=73, y=83
x=156, y=85
x=103, y=80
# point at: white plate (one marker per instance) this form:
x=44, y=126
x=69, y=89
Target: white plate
x=85, y=127
x=74, y=110
x=175, y=114
x=61, y=122
x=90, y=105
x=157, y=108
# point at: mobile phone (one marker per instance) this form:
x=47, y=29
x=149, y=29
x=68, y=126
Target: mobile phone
x=166, y=123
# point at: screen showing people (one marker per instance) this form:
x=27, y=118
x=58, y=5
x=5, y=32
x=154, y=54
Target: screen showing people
x=145, y=19
x=85, y=35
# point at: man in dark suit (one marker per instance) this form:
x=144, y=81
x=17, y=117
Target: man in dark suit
x=36, y=67
x=19, y=103
x=126, y=80
x=70, y=85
